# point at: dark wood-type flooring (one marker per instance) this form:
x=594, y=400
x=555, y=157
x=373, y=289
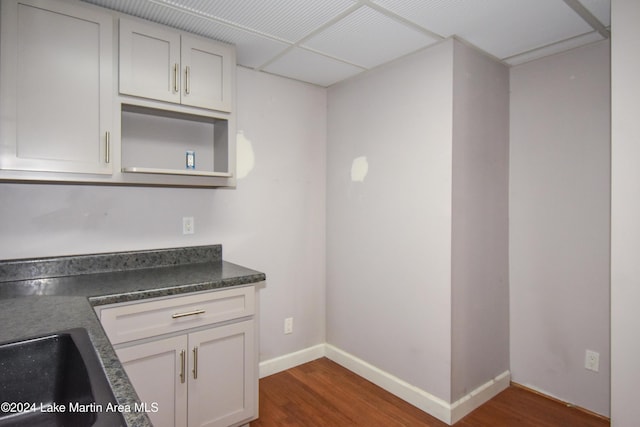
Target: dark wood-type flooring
x=323, y=393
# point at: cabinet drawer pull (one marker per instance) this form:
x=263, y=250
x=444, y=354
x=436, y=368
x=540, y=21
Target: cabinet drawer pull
x=187, y=85
x=107, y=147
x=188, y=313
x=195, y=363
x=176, y=77
x=183, y=360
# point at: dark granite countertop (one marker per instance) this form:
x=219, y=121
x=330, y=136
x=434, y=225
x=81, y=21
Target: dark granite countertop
x=130, y=285
x=41, y=296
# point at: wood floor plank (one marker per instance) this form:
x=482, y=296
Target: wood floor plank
x=324, y=394
x=367, y=400
x=393, y=407
x=517, y=407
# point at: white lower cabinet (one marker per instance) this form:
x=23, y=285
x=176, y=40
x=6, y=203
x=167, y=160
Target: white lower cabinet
x=203, y=375
x=220, y=395
x=154, y=369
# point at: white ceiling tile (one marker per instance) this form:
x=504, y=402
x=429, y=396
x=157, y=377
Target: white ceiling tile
x=140, y=8
x=516, y=30
x=288, y=20
x=368, y=38
x=501, y=27
x=162, y=14
x=252, y=50
x=301, y=64
x=601, y=9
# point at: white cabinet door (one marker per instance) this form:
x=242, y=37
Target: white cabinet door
x=224, y=390
x=161, y=64
x=158, y=371
x=149, y=61
x=56, y=79
x=208, y=68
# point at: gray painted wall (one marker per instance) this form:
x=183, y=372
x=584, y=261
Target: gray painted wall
x=480, y=263
x=625, y=211
x=415, y=288
x=273, y=222
x=559, y=224
x=389, y=235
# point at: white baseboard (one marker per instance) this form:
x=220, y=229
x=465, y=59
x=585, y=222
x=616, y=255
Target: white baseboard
x=288, y=361
x=463, y=406
x=442, y=410
x=394, y=385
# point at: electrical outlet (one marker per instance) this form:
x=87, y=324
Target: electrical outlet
x=188, y=225
x=288, y=325
x=592, y=360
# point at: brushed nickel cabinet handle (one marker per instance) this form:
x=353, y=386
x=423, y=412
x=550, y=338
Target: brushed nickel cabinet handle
x=195, y=363
x=107, y=147
x=187, y=85
x=183, y=360
x=176, y=77
x=188, y=313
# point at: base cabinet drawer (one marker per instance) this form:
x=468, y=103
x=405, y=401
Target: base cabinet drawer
x=131, y=322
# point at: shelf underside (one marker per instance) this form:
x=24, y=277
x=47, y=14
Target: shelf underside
x=176, y=172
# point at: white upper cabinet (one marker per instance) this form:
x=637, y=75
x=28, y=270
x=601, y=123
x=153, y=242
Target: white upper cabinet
x=74, y=107
x=56, y=100
x=207, y=70
x=149, y=61
x=161, y=64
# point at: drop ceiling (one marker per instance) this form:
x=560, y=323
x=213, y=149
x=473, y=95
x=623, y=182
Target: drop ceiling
x=326, y=41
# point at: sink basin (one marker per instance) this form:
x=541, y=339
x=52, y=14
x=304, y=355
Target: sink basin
x=55, y=380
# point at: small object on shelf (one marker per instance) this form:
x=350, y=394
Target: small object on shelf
x=191, y=159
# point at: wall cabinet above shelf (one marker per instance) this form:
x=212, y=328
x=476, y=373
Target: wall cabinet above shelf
x=159, y=63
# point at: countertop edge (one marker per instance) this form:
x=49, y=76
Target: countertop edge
x=99, y=300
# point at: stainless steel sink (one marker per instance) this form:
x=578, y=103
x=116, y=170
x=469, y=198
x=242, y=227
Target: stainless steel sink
x=55, y=380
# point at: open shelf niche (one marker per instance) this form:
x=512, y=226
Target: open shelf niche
x=156, y=141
